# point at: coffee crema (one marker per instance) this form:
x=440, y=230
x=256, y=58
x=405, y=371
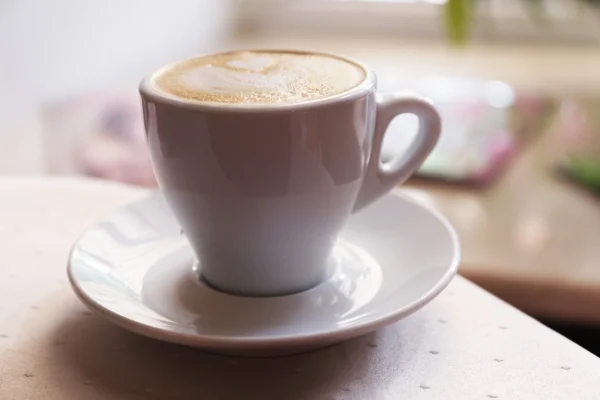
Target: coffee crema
x=259, y=77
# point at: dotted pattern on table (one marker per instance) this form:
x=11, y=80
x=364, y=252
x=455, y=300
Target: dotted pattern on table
x=464, y=345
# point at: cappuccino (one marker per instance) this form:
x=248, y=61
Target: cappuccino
x=259, y=77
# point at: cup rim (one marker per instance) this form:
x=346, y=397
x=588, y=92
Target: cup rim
x=146, y=89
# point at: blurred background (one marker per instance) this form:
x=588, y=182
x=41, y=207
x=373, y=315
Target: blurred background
x=517, y=170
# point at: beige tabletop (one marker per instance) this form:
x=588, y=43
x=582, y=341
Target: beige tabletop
x=465, y=345
x=529, y=238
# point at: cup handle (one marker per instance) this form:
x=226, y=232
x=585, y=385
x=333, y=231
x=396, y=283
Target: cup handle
x=379, y=178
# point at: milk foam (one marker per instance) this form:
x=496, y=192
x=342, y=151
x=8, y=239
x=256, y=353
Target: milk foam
x=259, y=77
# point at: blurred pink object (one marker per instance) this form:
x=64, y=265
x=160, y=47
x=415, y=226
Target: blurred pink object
x=100, y=135
x=577, y=129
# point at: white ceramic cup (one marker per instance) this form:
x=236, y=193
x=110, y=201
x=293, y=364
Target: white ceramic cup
x=262, y=191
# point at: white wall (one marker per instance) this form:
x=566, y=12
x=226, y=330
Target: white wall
x=52, y=48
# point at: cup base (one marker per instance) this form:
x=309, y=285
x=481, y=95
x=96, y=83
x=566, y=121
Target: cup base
x=330, y=268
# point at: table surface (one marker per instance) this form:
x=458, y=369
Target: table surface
x=465, y=345
x=529, y=238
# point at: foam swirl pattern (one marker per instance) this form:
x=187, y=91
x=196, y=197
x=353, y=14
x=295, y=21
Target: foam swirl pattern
x=263, y=77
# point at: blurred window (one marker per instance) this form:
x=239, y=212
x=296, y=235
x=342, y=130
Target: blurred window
x=495, y=19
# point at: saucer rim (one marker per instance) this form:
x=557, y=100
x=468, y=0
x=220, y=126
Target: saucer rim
x=240, y=343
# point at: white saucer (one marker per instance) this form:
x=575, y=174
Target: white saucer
x=135, y=268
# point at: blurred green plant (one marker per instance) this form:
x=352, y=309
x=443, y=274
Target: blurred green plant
x=586, y=171
x=460, y=14
x=458, y=20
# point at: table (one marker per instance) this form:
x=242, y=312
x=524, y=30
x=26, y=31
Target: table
x=465, y=345
x=530, y=238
